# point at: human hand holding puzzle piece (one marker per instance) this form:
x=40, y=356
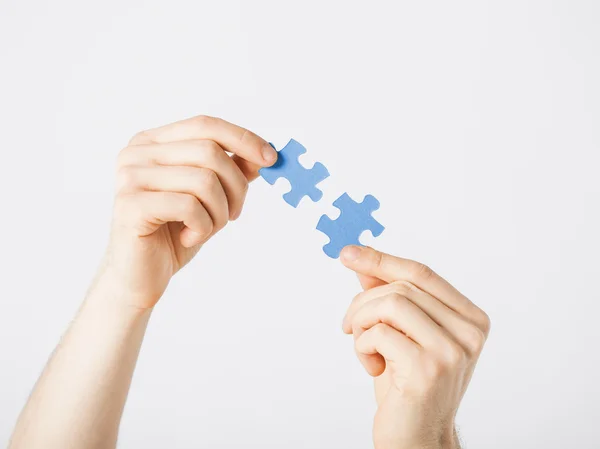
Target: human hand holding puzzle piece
x=354, y=217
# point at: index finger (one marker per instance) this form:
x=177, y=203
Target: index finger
x=367, y=261
x=232, y=138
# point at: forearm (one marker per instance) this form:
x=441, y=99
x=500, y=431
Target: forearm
x=79, y=399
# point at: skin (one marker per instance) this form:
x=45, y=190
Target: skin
x=177, y=186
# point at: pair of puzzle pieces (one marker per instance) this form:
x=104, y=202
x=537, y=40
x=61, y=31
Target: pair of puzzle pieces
x=354, y=219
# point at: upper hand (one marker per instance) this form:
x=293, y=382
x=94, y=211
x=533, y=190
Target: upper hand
x=420, y=338
x=177, y=187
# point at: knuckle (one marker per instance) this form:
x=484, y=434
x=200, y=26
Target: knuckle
x=486, y=324
x=359, y=345
x=454, y=355
x=356, y=302
x=402, y=287
x=420, y=271
x=377, y=259
x=380, y=330
x=394, y=302
x=208, y=180
x=247, y=136
x=359, y=298
x=205, y=120
x=244, y=136
x=210, y=149
x=189, y=205
x=474, y=339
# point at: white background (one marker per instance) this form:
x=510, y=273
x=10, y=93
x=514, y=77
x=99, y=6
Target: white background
x=475, y=123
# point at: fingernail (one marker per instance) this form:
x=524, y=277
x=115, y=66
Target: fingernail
x=350, y=253
x=269, y=154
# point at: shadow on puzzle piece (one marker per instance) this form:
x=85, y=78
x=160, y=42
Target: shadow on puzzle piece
x=303, y=180
x=353, y=220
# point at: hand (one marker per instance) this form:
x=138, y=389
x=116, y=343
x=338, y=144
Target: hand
x=176, y=188
x=421, y=339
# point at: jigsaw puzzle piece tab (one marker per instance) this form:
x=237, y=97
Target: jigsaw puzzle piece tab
x=354, y=219
x=302, y=180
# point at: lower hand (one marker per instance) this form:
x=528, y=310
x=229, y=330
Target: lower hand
x=420, y=338
x=176, y=187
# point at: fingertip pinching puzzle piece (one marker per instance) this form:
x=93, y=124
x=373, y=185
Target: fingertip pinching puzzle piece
x=353, y=220
x=303, y=180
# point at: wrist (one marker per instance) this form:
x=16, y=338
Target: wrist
x=129, y=287
x=135, y=280
x=109, y=292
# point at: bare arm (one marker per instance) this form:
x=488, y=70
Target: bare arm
x=177, y=187
x=79, y=399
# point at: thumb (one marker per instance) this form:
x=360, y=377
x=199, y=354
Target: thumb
x=367, y=281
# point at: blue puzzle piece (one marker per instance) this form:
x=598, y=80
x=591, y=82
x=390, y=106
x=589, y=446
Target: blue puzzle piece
x=303, y=180
x=353, y=220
